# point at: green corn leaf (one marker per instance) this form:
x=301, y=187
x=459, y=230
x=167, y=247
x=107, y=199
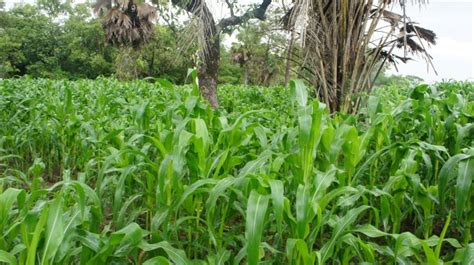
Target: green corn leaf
x=157, y=143
x=299, y=93
x=67, y=246
x=468, y=255
x=296, y=250
x=119, y=243
x=177, y=256
x=192, y=73
x=126, y=209
x=192, y=189
x=120, y=190
x=373, y=106
x=218, y=190
x=441, y=238
x=32, y=248
x=302, y=214
x=7, y=258
x=89, y=240
x=310, y=121
x=201, y=131
x=429, y=253
x=84, y=190
x=7, y=198
x=446, y=173
x=341, y=227
x=217, y=164
x=54, y=231
x=405, y=245
x=322, y=182
x=255, y=220
x=277, y=202
x=339, y=140
x=221, y=258
x=254, y=165
x=463, y=185
x=157, y=261
x=261, y=136
x=463, y=131
x=370, y=231
x=128, y=237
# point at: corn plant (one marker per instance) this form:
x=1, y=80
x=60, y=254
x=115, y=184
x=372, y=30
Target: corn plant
x=100, y=172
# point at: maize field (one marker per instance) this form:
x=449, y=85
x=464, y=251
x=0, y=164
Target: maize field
x=109, y=172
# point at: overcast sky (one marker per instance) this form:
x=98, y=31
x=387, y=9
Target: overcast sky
x=453, y=21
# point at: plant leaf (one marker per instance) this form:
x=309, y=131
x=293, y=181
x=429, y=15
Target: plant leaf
x=256, y=209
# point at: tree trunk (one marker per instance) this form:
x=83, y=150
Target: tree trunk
x=289, y=57
x=208, y=72
x=210, y=49
x=151, y=65
x=246, y=75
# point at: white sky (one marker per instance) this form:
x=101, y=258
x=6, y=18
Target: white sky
x=453, y=21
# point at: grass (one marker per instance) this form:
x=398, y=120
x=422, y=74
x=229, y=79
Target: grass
x=105, y=172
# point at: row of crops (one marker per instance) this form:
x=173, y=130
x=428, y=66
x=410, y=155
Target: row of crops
x=105, y=172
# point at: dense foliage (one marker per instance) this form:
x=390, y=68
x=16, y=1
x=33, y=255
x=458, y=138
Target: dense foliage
x=32, y=43
x=69, y=43
x=106, y=172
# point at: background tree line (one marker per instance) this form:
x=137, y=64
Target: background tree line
x=68, y=42
x=56, y=39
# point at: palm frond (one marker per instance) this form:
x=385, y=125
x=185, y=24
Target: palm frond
x=413, y=45
x=425, y=34
x=146, y=13
x=124, y=27
x=393, y=18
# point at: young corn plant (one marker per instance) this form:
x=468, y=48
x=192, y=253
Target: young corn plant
x=101, y=172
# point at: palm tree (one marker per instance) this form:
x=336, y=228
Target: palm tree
x=208, y=33
x=126, y=22
x=347, y=42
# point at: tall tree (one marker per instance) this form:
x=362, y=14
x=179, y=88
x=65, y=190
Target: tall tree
x=210, y=33
x=347, y=42
x=123, y=24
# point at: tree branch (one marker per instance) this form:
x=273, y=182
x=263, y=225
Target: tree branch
x=258, y=13
x=231, y=8
x=188, y=5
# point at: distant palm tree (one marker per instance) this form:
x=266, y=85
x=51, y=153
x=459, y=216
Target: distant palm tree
x=126, y=22
x=347, y=42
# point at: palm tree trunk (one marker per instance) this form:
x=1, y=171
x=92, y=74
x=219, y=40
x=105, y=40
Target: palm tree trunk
x=289, y=57
x=151, y=65
x=208, y=72
x=210, y=55
x=246, y=75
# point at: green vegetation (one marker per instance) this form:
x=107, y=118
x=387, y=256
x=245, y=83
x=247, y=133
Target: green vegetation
x=78, y=49
x=106, y=172
x=97, y=167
